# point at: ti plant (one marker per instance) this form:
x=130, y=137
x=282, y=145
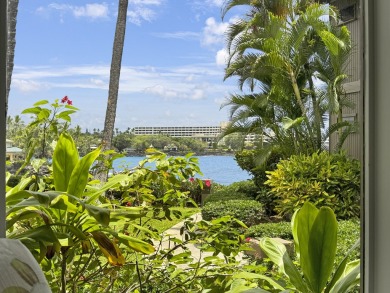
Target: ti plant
x=68, y=227
x=315, y=240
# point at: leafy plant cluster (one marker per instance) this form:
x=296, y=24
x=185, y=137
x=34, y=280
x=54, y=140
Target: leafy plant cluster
x=283, y=230
x=241, y=190
x=249, y=212
x=324, y=179
x=315, y=242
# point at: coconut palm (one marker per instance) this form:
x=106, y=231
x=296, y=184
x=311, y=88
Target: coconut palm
x=277, y=53
x=12, y=15
x=113, y=89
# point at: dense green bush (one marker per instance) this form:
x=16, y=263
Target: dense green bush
x=241, y=190
x=224, y=195
x=247, y=187
x=273, y=230
x=248, y=160
x=348, y=233
x=324, y=179
x=248, y=211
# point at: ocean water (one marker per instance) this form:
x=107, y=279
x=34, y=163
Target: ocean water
x=220, y=169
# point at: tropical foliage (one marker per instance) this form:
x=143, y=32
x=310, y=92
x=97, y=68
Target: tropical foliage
x=323, y=179
x=315, y=242
x=289, y=59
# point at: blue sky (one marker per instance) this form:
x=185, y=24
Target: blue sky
x=172, y=68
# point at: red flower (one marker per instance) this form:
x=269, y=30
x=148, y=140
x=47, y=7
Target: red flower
x=128, y=204
x=207, y=182
x=69, y=102
x=247, y=239
x=64, y=100
x=192, y=179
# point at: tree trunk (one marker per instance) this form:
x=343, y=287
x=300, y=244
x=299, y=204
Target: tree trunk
x=113, y=89
x=12, y=14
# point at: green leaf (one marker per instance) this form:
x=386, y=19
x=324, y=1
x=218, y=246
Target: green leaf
x=41, y=102
x=32, y=111
x=101, y=215
x=79, y=177
x=303, y=223
x=136, y=244
x=322, y=249
x=251, y=276
x=28, y=215
x=350, y=278
x=111, y=183
x=288, y=122
x=341, y=268
x=277, y=253
x=65, y=158
x=62, y=202
x=42, y=233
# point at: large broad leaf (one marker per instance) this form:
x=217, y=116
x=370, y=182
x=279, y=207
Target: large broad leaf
x=41, y=233
x=111, y=183
x=341, y=267
x=136, y=244
x=350, y=278
x=101, y=215
x=303, y=222
x=62, y=202
x=79, y=177
x=322, y=249
x=29, y=214
x=277, y=253
x=65, y=158
x=109, y=248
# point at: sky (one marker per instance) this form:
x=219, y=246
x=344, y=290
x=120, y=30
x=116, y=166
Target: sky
x=172, y=67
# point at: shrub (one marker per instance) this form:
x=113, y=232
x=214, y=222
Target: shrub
x=272, y=230
x=248, y=211
x=247, y=160
x=246, y=187
x=224, y=195
x=283, y=230
x=324, y=179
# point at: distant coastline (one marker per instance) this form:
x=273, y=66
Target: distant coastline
x=183, y=153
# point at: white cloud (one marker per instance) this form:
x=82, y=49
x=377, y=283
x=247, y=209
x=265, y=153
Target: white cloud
x=222, y=57
x=92, y=10
x=162, y=91
x=27, y=85
x=213, y=32
x=145, y=2
x=178, y=35
x=98, y=82
x=197, y=94
x=140, y=14
x=189, y=78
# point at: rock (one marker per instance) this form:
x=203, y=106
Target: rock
x=258, y=253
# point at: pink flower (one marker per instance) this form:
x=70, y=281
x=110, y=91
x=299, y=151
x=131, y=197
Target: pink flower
x=192, y=179
x=247, y=239
x=207, y=182
x=64, y=99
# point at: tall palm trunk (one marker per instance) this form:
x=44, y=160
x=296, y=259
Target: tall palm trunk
x=12, y=14
x=113, y=89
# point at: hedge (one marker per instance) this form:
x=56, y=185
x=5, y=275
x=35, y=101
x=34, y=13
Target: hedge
x=248, y=211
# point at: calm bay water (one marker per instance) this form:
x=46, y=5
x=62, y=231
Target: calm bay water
x=220, y=169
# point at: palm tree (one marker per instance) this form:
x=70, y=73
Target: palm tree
x=115, y=70
x=12, y=15
x=276, y=51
